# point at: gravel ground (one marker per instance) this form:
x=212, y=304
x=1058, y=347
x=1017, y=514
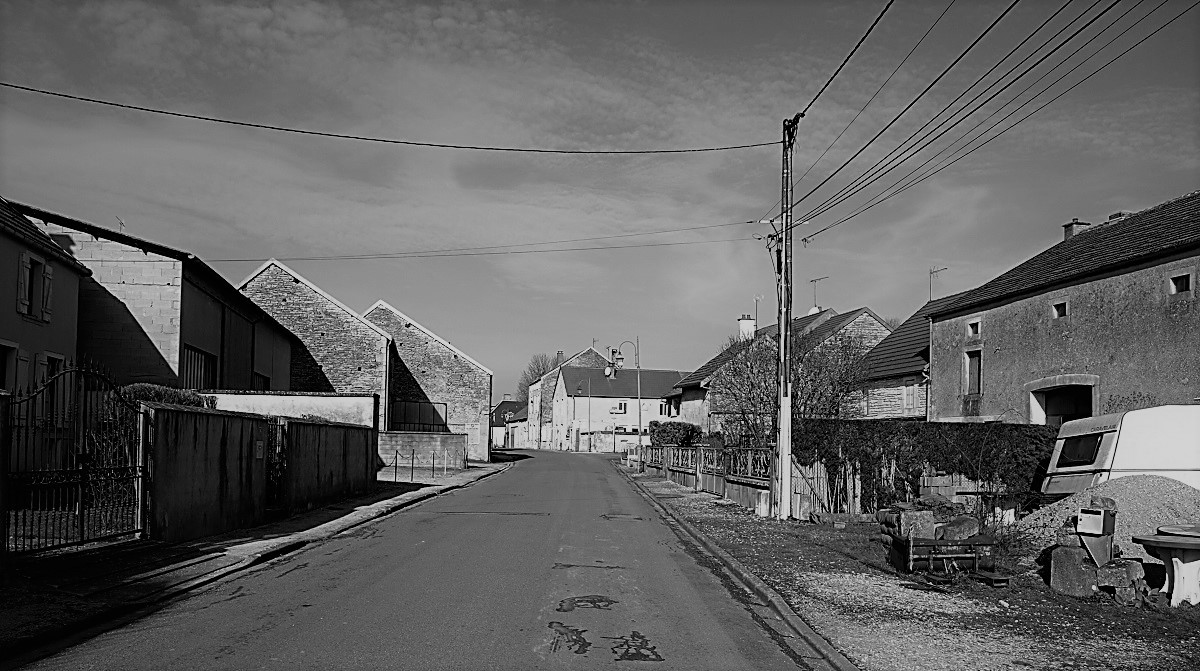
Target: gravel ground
x=1144, y=503
x=839, y=582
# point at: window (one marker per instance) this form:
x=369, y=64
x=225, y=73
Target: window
x=974, y=386
x=199, y=369
x=619, y=408
x=664, y=408
x=35, y=284
x=1059, y=310
x=8, y=367
x=910, y=394
x=1181, y=284
x=973, y=329
x=1079, y=450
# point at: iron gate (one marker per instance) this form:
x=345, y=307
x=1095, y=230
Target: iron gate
x=71, y=455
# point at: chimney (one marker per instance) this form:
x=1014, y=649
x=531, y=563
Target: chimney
x=558, y=358
x=1073, y=228
x=746, y=327
x=1119, y=214
x=507, y=397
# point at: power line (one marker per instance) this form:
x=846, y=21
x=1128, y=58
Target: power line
x=891, y=163
x=847, y=58
x=1035, y=111
x=910, y=105
x=362, y=138
x=850, y=188
x=427, y=252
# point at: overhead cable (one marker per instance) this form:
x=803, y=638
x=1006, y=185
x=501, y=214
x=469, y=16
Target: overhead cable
x=363, y=138
x=847, y=58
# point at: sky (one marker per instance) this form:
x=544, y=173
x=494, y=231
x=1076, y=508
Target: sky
x=621, y=75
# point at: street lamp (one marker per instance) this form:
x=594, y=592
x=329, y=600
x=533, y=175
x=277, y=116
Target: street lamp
x=619, y=362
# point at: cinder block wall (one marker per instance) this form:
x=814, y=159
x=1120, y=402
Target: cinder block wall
x=344, y=354
x=129, y=310
x=440, y=375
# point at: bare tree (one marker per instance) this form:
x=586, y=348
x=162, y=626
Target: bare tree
x=826, y=379
x=539, y=364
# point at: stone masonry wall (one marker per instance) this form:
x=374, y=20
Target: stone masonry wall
x=428, y=449
x=886, y=398
x=342, y=353
x=129, y=309
x=439, y=375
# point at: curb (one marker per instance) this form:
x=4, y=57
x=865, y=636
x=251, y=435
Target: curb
x=761, y=589
x=287, y=545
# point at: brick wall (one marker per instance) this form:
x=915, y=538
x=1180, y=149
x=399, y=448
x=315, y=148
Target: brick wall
x=429, y=370
x=341, y=352
x=129, y=309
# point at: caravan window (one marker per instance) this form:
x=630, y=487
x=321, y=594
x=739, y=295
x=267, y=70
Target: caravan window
x=1079, y=450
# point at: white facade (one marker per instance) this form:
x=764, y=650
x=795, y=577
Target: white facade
x=574, y=417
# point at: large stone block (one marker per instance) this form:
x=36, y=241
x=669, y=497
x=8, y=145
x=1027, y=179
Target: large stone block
x=1071, y=572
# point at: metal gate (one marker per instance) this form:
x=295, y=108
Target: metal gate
x=72, y=462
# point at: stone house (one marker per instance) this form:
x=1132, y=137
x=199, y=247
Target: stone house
x=688, y=399
x=499, y=416
x=516, y=425
x=540, y=405
x=1104, y=321
x=427, y=370
x=896, y=371
x=40, y=297
x=152, y=313
x=340, y=351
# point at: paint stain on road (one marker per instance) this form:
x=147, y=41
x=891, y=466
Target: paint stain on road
x=604, y=566
x=634, y=648
x=570, y=637
x=597, y=601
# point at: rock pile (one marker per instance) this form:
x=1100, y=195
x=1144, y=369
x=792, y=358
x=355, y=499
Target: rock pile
x=1145, y=503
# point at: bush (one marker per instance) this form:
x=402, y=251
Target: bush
x=674, y=433
x=157, y=393
x=1008, y=459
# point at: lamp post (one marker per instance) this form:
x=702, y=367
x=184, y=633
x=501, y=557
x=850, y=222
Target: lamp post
x=619, y=362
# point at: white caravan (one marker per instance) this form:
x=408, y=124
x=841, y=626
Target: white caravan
x=1163, y=440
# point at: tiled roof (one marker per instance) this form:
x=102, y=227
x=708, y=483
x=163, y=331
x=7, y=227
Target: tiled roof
x=21, y=228
x=624, y=384
x=799, y=325
x=836, y=323
x=521, y=415
x=504, y=407
x=1154, y=233
x=903, y=351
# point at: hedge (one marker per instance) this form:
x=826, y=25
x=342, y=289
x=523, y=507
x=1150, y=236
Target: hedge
x=674, y=433
x=1008, y=458
x=156, y=393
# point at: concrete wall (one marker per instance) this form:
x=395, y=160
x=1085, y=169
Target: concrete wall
x=517, y=435
x=207, y=472
x=428, y=449
x=341, y=352
x=325, y=462
x=429, y=370
x=1125, y=335
x=693, y=408
x=27, y=340
x=347, y=408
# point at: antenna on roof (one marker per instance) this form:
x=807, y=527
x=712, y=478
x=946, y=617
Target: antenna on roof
x=933, y=272
x=121, y=224
x=814, y=283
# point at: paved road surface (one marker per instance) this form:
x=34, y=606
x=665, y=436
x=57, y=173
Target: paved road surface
x=557, y=563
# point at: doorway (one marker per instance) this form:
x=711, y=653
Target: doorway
x=1062, y=404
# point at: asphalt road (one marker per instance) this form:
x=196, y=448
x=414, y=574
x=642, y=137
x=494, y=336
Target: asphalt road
x=557, y=563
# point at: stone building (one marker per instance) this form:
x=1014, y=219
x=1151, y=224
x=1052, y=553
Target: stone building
x=151, y=313
x=1102, y=322
x=896, y=374
x=340, y=350
x=39, y=301
x=428, y=370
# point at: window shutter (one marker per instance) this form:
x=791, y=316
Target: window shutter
x=47, y=291
x=40, y=376
x=22, y=289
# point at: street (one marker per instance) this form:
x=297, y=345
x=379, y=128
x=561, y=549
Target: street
x=557, y=563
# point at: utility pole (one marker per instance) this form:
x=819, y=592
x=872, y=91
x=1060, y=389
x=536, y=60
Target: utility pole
x=933, y=272
x=783, y=442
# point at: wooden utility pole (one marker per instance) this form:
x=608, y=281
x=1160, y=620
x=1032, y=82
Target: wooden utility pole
x=783, y=442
